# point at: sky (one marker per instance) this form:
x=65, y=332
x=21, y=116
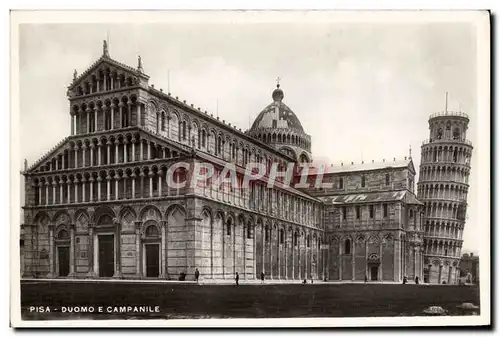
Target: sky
x=362, y=90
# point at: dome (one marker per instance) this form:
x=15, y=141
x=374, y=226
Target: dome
x=277, y=115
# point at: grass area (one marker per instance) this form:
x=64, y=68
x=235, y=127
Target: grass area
x=246, y=301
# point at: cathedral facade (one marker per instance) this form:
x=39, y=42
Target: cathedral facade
x=111, y=200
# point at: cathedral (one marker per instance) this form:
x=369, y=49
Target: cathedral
x=110, y=200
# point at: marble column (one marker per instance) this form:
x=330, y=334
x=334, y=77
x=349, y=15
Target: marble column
x=92, y=249
x=108, y=152
x=353, y=259
x=72, y=123
x=99, y=180
x=116, y=151
x=61, y=193
x=76, y=189
x=84, y=152
x=159, y=183
x=51, y=273
x=164, y=270
x=396, y=255
x=84, y=180
x=72, y=251
x=47, y=192
x=117, y=183
x=117, y=265
x=340, y=259
x=40, y=192
x=99, y=156
x=92, y=154
x=138, y=225
x=96, y=113
x=271, y=252
x=68, y=184
x=120, y=107
x=54, y=193
x=108, y=187
x=133, y=176
x=132, y=157
x=125, y=154
x=76, y=155
x=91, y=186
x=151, y=174
x=87, y=112
x=263, y=249
x=112, y=112
x=286, y=253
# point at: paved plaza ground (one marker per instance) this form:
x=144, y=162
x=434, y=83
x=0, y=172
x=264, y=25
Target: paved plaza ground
x=251, y=300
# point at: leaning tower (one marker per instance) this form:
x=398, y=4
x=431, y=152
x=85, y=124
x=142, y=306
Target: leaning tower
x=443, y=186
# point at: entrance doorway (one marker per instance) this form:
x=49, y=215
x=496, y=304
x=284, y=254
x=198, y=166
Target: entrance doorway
x=374, y=273
x=152, y=260
x=106, y=255
x=63, y=257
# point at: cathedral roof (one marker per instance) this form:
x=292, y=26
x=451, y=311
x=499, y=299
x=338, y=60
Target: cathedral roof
x=277, y=115
x=105, y=58
x=369, y=166
x=370, y=197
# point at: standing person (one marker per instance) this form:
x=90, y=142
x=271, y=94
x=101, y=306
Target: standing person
x=262, y=276
x=366, y=278
x=416, y=279
x=197, y=275
x=237, y=278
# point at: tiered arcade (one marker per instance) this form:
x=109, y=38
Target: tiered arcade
x=443, y=187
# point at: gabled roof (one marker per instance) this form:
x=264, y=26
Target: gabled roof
x=370, y=197
x=147, y=132
x=54, y=149
x=105, y=59
x=370, y=166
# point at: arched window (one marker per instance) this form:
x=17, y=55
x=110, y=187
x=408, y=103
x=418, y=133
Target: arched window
x=63, y=234
x=308, y=241
x=219, y=145
x=347, y=246
x=439, y=133
x=282, y=236
x=371, y=211
x=295, y=239
x=249, y=232
x=266, y=234
x=358, y=212
x=387, y=179
x=228, y=228
x=163, y=121
x=152, y=231
x=456, y=133
x=341, y=183
x=184, y=130
x=363, y=181
x=203, y=138
x=411, y=213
